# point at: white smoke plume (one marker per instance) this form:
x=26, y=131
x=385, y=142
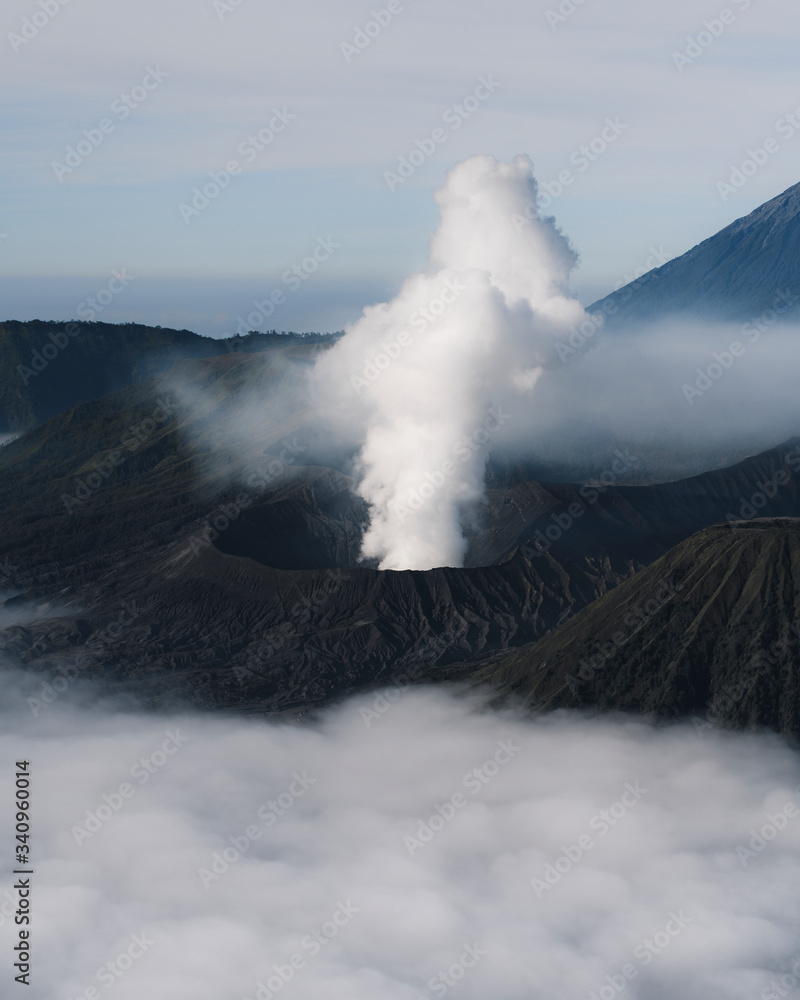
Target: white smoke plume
x=427, y=375
x=404, y=847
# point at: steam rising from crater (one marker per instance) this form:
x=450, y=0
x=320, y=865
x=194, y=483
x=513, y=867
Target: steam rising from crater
x=427, y=380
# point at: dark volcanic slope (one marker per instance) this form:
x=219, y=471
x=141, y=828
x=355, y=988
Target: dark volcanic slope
x=181, y=529
x=612, y=530
x=619, y=529
x=46, y=368
x=226, y=631
x=713, y=626
x=81, y=361
x=205, y=565
x=736, y=274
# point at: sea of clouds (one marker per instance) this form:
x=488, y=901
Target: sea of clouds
x=398, y=847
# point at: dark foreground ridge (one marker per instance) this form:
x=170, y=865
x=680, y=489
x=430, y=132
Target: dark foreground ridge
x=710, y=630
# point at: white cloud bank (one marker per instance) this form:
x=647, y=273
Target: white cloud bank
x=345, y=888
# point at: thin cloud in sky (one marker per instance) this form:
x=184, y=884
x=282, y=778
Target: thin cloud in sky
x=229, y=71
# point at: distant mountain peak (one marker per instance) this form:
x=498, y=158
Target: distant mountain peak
x=778, y=211
x=735, y=275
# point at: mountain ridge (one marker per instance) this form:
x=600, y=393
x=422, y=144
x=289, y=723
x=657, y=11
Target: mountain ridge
x=736, y=274
x=48, y=367
x=711, y=629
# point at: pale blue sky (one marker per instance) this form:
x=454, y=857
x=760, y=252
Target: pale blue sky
x=324, y=173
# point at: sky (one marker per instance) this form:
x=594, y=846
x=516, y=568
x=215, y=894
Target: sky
x=158, y=102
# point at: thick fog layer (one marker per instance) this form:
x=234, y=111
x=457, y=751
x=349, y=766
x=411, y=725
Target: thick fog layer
x=404, y=846
x=677, y=383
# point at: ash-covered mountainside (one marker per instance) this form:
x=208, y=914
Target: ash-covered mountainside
x=711, y=630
